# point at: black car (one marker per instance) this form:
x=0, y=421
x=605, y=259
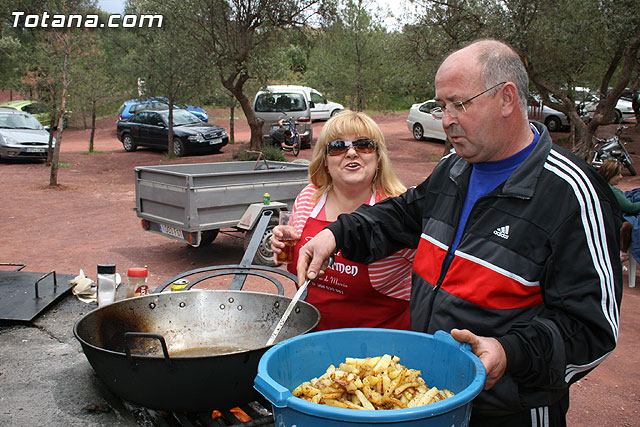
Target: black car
x=150, y=128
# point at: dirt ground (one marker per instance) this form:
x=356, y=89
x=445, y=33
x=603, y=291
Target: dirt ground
x=90, y=220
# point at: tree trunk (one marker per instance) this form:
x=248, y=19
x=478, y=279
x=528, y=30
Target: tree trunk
x=232, y=136
x=55, y=158
x=53, y=179
x=52, y=126
x=93, y=125
x=584, y=142
x=170, y=133
x=255, y=124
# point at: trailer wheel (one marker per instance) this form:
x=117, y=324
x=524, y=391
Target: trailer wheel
x=264, y=254
x=207, y=237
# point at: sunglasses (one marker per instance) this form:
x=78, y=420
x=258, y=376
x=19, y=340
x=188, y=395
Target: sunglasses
x=361, y=145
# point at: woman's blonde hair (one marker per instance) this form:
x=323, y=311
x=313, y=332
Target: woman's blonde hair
x=347, y=123
x=609, y=169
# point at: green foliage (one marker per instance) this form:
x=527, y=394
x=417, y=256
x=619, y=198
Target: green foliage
x=269, y=152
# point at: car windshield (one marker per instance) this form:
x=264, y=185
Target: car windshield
x=19, y=121
x=181, y=118
x=274, y=102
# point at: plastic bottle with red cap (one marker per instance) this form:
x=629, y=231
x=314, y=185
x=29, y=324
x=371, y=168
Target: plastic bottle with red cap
x=137, y=285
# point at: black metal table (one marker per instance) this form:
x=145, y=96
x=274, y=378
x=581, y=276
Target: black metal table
x=24, y=294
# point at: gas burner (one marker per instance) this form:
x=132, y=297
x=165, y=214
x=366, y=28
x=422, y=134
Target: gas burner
x=257, y=411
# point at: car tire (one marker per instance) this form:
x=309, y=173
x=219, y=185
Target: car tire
x=334, y=112
x=617, y=116
x=553, y=124
x=178, y=148
x=418, y=132
x=305, y=143
x=128, y=144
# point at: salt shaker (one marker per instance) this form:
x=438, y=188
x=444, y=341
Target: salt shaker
x=106, y=284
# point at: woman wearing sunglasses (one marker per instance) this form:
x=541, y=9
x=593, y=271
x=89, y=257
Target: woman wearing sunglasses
x=351, y=167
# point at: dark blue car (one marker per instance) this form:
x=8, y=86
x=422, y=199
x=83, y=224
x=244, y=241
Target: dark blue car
x=132, y=106
x=150, y=128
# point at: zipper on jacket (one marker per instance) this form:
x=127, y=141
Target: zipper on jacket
x=445, y=265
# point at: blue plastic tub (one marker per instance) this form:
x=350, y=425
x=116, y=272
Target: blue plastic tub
x=444, y=363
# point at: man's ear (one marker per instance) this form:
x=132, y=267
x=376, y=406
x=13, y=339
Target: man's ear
x=510, y=103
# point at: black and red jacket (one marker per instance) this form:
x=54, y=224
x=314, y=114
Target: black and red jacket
x=537, y=267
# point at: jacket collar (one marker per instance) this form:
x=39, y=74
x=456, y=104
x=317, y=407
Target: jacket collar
x=522, y=182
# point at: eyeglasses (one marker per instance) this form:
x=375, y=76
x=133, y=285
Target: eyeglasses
x=361, y=145
x=455, y=108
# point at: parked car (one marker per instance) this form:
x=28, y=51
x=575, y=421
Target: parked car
x=589, y=100
x=132, y=106
x=554, y=120
x=199, y=112
x=621, y=112
x=150, y=128
x=422, y=124
x=272, y=101
x=321, y=108
x=22, y=136
x=37, y=109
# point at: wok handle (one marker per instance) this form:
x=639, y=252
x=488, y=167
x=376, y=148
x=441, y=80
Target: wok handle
x=145, y=335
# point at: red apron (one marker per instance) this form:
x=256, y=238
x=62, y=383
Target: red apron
x=344, y=295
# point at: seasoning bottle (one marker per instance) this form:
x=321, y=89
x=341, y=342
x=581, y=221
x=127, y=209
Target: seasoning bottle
x=106, y=284
x=137, y=285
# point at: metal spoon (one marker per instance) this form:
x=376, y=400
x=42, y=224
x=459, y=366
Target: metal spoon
x=292, y=304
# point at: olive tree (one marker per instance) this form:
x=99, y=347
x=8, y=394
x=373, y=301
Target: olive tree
x=563, y=44
x=350, y=57
x=235, y=39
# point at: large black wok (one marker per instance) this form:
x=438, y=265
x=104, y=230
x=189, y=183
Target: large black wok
x=198, y=350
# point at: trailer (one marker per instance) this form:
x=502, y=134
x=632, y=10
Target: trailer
x=191, y=203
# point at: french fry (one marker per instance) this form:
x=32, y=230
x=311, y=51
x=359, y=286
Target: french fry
x=363, y=399
x=371, y=383
x=336, y=403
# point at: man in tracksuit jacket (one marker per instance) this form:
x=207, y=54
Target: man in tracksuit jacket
x=517, y=244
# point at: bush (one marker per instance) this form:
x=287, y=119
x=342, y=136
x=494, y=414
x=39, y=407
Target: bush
x=269, y=152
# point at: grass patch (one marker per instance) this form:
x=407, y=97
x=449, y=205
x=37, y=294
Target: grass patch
x=87, y=153
x=62, y=165
x=269, y=152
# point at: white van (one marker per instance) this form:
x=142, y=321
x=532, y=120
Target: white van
x=321, y=108
x=274, y=102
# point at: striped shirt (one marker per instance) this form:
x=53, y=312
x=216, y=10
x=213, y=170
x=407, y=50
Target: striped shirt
x=390, y=276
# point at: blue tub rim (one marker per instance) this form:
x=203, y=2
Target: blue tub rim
x=282, y=397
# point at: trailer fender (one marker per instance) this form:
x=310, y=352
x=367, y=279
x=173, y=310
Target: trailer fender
x=253, y=213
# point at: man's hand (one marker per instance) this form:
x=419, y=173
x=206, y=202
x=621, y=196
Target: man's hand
x=490, y=352
x=313, y=257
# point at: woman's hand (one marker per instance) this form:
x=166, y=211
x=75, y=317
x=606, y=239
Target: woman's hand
x=280, y=233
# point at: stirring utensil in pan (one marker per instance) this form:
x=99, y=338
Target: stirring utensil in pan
x=292, y=304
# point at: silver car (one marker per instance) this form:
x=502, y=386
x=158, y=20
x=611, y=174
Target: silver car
x=22, y=136
x=422, y=124
x=554, y=120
